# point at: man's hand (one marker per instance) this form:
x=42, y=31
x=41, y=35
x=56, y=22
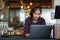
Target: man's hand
x=27, y=35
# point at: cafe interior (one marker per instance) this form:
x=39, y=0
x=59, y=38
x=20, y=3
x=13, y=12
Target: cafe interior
x=14, y=12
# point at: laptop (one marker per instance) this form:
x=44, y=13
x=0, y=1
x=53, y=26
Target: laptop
x=40, y=31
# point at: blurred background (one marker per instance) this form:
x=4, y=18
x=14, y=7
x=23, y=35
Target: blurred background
x=14, y=12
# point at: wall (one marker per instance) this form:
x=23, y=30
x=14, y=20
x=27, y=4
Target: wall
x=48, y=15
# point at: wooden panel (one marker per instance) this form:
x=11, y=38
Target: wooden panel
x=14, y=5
x=13, y=0
x=44, y=3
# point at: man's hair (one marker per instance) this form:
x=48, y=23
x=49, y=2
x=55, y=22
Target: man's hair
x=34, y=9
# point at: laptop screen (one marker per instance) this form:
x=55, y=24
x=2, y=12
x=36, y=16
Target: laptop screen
x=40, y=31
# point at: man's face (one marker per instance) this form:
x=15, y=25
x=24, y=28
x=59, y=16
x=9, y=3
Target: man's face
x=36, y=14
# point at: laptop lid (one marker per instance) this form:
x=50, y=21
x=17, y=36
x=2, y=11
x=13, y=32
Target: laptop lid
x=40, y=31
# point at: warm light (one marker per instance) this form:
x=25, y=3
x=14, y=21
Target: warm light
x=21, y=6
x=8, y=6
x=28, y=6
x=31, y=3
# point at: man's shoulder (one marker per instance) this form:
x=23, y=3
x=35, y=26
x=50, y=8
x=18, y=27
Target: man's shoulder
x=41, y=18
x=28, y=18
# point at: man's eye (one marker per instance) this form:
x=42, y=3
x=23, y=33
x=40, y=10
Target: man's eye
x=38, y=14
